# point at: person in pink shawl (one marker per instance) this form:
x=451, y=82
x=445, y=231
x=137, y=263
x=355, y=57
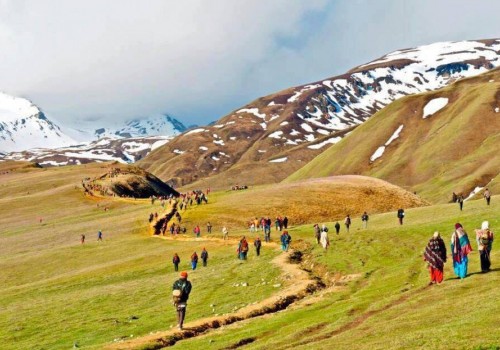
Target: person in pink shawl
x=460, y=248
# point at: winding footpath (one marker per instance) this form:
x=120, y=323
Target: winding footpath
x=303, y=285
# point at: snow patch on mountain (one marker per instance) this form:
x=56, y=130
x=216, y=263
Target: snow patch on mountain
x=380, y=151
x=434, y=106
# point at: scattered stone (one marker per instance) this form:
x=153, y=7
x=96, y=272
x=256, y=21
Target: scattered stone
x=277, y=285
x=244, y=284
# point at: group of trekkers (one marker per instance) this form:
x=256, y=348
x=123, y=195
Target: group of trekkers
x=435, y=252
x=83, y=237
x=264, y=224
x=176, y=260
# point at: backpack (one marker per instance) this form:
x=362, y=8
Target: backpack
x=177, y=296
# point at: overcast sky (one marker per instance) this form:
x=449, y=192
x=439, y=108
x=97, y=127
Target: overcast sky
x=111, y=61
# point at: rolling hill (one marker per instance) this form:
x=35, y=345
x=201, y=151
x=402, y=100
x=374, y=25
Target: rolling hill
x=433, y=143
x=275, y=135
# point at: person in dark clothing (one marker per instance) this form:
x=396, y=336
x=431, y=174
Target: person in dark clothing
x=337, y=227
x=364, y=219
x=176, y=261
x=209, y=227
x=99, y=236
x=285, y=222
x=460, y=201
x=347, y=222
x=258, y=245
x=183, y=286
x=401, y=215
x=204, y=256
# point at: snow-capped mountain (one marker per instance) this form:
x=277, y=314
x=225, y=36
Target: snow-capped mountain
x=123, y=150
x=23, y=125
x=155, y=125
x=292, y=126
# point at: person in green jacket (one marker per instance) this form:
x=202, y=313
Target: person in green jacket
x=181, y=290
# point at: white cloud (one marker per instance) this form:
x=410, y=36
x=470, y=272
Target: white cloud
x=201, y=59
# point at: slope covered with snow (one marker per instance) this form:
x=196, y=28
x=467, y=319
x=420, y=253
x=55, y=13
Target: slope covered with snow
x=155, y=125
x=303, y=121
x=23, y=125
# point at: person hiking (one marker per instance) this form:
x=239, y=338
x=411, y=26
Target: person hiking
x=317, y=233
x=460, y=249
x=242, y=249
x=347, y=222
x=435, y=255
x=401, y=215
x=225, y=233
x=194, y=260
x=364, y=219
x=267, y=230
x=151, y=217
x=197, y=231
x=180, y=291
x=325, y=242
x=460, y=201
x=257, y=244
x=285, y=241
x=82, y=239
x=176, y=261
x=99, y=236
x=277, y=224
x=484, y=238
x=204, y=256
x=487, y=196
x=337, y=227
x=209, y=227
x=285, y=222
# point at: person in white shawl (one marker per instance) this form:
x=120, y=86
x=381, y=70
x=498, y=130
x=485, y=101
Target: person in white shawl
x=325, y=242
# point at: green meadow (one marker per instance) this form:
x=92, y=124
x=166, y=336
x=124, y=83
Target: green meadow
x=56, y=293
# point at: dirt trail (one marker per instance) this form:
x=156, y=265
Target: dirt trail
x=302, y=286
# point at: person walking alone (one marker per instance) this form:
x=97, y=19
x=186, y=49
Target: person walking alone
x=347, y=222
x=225, y=233
x=364, y=219
x=176, y=261
x=181, y=290
x=401, y=215
x=487, y=196
x=337, y=227
x=460, y=201
x=204, y=256
x=257, y=244
x=209, y=227
x=99, y=236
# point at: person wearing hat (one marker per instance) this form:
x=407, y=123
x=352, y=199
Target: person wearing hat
x=460, y=248
x=435, y=255
x=181, y=290
x=484, y=238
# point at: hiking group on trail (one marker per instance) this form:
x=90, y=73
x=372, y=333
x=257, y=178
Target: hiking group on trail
x=435, y=252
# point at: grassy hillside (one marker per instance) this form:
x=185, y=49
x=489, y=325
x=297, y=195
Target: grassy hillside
x=387, y=303
x=456, y=149
x=55, y=292
x=306, y=201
